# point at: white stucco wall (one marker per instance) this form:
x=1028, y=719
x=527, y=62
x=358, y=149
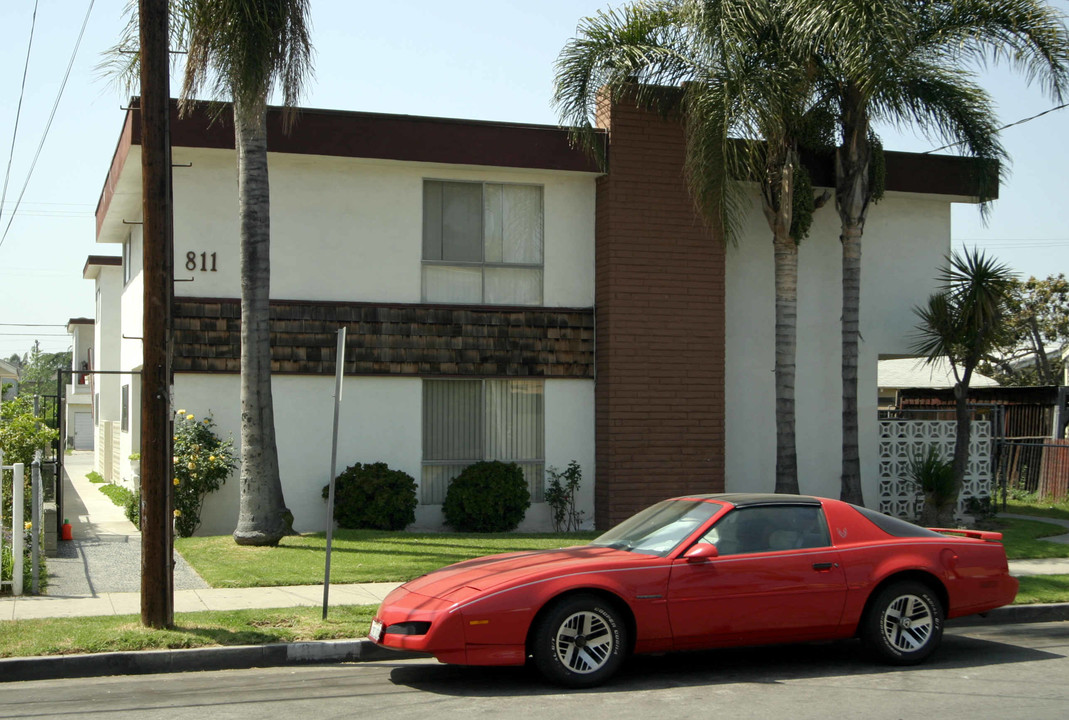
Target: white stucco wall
x=351, y=230
x=380, y=420
x=106, y=341
x=906, y=238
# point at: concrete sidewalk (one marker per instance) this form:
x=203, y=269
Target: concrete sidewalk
x=101, y=531
x=99, y=571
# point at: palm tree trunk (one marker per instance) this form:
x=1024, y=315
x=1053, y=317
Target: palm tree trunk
x=785, y=252
x=262, y=511
x=850, y=488
x=961, y=452
x=852, y=194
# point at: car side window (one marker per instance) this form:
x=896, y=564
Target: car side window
x=769, y=529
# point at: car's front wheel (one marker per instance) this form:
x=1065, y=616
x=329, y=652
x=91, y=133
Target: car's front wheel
x=579, y=641
x=904, y=624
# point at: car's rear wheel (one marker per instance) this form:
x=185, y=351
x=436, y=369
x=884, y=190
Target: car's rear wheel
x=579, y=641
x=904, y=624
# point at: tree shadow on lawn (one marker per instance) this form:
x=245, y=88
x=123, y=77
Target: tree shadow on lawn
x=757, y=665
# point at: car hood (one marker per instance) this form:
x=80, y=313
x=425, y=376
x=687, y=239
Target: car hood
x=493, y=571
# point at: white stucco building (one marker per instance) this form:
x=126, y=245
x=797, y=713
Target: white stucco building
x=78, y=396
x=505, y=299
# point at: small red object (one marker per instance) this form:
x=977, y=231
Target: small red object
x=65, y=531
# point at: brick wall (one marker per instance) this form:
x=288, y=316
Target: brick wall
x=659, y=315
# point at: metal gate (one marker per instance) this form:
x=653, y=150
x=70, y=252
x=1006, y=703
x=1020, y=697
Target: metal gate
x=1035, y=467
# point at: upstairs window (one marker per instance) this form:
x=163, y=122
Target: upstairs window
x=482, y=243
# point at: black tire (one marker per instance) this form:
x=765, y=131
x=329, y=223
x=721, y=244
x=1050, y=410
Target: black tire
x=904, y=624
x=579, y=641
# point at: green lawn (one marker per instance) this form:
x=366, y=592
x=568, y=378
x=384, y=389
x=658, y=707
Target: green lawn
x=357, y=556
x=1023, y=539
x=1039, y=509
x=380, y=556
x=109, y=633
x=1043, y=589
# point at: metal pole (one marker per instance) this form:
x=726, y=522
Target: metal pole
x=339, y=372
x=35, y=531
x=157, y=574
x=57, y=480
x=1, y=508
x=17, y=527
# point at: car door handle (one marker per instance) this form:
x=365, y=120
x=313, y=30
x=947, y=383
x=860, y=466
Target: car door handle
x=824, y=566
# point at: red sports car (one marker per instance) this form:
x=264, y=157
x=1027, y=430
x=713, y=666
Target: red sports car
x=702, y=572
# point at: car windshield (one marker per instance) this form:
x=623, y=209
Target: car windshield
x=658, y=529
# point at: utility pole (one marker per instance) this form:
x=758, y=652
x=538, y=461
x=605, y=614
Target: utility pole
x=157, y=537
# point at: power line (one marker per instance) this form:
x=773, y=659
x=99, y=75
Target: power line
x=51, y=116
x=18, y=110
x=4, y=334
x=32, y=325
x=1015, y=243
x=1004, y=127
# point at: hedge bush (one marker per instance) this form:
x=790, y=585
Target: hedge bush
x=487, y=497
x=373, y=497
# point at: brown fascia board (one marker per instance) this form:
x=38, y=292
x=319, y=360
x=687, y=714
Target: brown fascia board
x=923, y=173
x=97, y=261
x=365, y=135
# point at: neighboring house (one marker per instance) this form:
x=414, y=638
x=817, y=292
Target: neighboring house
x=9, y=375
x=78, y=398
x=505, y=299
x=107, y=273
x=915, y=372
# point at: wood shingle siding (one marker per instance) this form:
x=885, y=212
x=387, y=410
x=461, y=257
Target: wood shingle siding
x=412, y=340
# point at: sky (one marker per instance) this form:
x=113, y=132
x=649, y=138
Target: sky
x=483, y=60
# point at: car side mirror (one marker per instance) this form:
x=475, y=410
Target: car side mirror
x=701, y=553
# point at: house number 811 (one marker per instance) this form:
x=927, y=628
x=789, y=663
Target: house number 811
x=207, y=261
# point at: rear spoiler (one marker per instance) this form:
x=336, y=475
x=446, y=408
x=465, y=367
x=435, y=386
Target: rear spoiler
x=974, y=534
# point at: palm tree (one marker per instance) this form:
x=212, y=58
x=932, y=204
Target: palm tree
x=242, y=51
x=745, y=104
x=962, y=322
x=904, y=62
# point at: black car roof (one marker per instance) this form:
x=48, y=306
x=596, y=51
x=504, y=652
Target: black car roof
x=748, y=499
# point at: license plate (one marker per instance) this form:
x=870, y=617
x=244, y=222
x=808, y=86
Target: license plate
x=376, y=631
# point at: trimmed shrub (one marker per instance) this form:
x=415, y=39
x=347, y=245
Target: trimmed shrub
x=132, y=508
x=487, y=497
x=373, y=497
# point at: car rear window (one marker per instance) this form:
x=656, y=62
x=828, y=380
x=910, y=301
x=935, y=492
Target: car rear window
x=894, y=526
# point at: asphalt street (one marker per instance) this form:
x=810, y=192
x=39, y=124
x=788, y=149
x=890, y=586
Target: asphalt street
x=1006, y=671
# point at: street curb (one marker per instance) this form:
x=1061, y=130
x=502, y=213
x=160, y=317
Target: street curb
x=1014, y=614
x=239, y=657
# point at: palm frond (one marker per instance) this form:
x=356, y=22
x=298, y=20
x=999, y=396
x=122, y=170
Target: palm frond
x=1028, y=35
x=246, y=49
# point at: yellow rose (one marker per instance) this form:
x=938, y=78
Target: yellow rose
x=177, y=512
x=191, y=466
x=181, y=412
x=177, y=482
x=29, y=526
x=189, y=417
x=211, y=458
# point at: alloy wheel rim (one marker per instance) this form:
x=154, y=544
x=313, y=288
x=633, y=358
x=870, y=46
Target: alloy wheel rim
x=584, y=642
x=907, y=623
